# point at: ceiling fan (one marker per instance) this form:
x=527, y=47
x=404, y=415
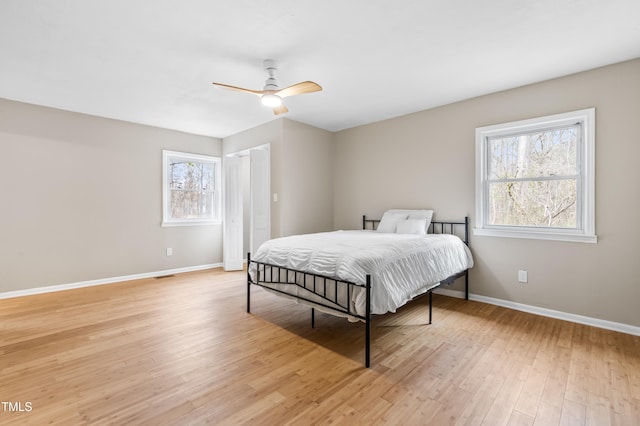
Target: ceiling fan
x=272, y=95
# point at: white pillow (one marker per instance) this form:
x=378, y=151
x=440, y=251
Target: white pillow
x=412, y=226
x=389, y=221
x=416, y=214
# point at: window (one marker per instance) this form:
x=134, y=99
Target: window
x=191, y=189
x=536, y=178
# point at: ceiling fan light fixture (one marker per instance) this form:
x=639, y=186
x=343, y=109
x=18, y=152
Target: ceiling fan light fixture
x=271, y=100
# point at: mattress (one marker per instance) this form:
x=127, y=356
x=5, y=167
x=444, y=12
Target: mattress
x=401, y=266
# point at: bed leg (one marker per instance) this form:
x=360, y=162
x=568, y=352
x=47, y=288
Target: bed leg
x=248, y=297
x=466, y=285
x=313, y=318
x=430, y=304
x=248, y=284
x=367, y=349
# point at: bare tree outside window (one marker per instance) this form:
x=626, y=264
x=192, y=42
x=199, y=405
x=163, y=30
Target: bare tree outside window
x=533, y=178
x=191, y=186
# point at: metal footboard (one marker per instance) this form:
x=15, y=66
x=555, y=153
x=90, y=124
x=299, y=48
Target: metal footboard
x=329, y=293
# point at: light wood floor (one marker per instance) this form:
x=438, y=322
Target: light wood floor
x=182, y=350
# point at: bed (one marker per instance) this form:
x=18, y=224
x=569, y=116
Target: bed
x=373, y=271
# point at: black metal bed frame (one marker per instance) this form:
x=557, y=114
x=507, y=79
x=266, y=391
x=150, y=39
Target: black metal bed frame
x=327, y=289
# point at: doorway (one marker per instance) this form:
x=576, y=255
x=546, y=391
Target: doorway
x=247, y=209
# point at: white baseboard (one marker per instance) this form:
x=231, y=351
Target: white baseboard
x=60, y=287
x=595, y=322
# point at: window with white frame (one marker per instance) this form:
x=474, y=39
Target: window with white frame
x=190, y=189
x=536, y=178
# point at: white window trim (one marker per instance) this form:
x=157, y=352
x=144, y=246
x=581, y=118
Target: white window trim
x=166, y=190
x=586, y=182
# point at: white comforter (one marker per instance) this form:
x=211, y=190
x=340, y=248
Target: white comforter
x=401, y=266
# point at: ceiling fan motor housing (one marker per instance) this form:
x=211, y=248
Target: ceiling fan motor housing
x=270, y=67
x=270, y=84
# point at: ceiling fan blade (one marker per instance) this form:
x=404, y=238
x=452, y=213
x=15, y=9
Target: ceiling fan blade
x=280, y=109
x=239, y=89
x=299, y=89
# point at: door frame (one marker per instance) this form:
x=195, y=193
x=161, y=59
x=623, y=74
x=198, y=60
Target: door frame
x=267, y=200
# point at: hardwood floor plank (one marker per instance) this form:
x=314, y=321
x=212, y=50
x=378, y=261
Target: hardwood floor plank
x=481, y=402
x=573, y=414
x=505, y=401
x=598, y=411
x=556, y=383
x=410, y=411
x=548, y=414
x=520, y=419
x=532, y=390
x=451, y=410
x=578, y=379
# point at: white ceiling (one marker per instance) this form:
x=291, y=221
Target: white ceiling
x=153, y=61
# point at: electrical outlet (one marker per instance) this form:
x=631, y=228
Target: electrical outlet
x=523, y=276
x=169, y=251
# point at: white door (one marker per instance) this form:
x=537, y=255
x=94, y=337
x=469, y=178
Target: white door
x=232, y=234
x=260, y=200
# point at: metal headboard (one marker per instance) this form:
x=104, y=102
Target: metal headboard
x=436, y=226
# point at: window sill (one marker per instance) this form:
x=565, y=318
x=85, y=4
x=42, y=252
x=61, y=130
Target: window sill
x=553, y=236
x=194, y=223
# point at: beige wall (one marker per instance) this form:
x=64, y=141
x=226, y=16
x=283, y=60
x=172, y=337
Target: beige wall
x=427, y=159
x=308, y=179
x=81, y=199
